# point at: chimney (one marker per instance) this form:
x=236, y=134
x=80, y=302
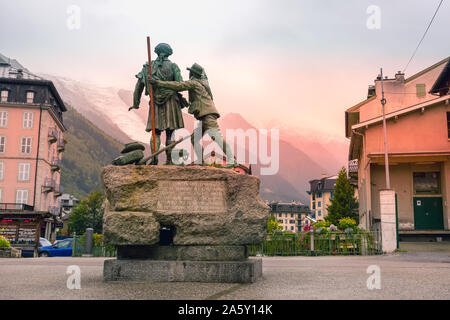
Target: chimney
x=19, y=73
x=371, y=91
x=400, y=77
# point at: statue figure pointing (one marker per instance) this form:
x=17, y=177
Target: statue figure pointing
x=201, y=106
x=168, y=103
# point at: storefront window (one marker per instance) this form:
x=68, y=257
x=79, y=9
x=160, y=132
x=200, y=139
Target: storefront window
x=427, y=183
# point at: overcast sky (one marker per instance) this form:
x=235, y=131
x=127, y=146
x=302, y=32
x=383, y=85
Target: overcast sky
x=297, y=63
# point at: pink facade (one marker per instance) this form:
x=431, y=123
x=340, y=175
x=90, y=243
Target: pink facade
x=418, y=137
x=25, y=137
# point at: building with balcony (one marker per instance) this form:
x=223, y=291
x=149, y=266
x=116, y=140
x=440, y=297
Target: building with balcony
x=291, y=216
x=321, y=193
x=67, y=202
x=31, y=145
x=418, y=139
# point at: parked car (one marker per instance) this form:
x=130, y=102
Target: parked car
x=62, y=248
x=30, y=253
x=44, y=242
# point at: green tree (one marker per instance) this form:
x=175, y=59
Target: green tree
x=88, y=214
x=273, y=225
x=343, y=204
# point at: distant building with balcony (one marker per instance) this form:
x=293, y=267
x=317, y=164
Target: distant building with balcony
x=291, y=216
x=31, y=146
x=320, y=194
x=67, y=202
x=418, y=140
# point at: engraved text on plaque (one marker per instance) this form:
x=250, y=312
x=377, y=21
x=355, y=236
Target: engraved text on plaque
x=191, y=196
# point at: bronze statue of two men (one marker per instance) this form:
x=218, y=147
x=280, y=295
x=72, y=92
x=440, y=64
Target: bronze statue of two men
x=167, y=82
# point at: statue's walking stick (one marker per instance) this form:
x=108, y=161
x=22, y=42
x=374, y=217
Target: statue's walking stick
x=150, y=88
x=170, y=146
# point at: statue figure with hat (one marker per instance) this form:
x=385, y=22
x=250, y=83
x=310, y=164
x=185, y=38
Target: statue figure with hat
x=201, y=107
x=168, y=102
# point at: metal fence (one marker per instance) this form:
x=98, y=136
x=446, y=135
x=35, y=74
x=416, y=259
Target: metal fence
x=280, y=244
x=98, y=250
x=314, y=244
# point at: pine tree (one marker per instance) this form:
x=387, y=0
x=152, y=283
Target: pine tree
x=343, y=203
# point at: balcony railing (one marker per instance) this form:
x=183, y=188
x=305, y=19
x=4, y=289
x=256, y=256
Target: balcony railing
x=52, y=135
x=58, y=189
x=55, y=163
x=61, y=144
x=353, y=167
x=54, y=210
x=49, y=185
x=15, y=207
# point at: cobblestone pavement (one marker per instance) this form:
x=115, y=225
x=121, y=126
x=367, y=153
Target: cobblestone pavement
x=415, y=274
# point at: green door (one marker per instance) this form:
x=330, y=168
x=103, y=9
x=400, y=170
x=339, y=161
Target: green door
x=428, y=213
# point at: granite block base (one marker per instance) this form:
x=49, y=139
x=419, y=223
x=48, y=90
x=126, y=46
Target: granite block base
x=247, y=271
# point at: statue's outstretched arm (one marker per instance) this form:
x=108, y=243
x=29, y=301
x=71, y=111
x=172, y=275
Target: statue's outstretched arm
x=177, y=86
x=138, y=89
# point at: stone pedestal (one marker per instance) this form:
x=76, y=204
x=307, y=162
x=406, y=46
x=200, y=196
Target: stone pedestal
x=247, y=271
x=174, y=223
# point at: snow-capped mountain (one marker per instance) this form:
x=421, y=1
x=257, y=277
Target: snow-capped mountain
x=302, y=157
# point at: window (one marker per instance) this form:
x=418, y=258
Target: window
x=2, y=144
x=3, y=119
x=22, y=196
x=24, y=171
x=319, y=204
x=27, y=120
x=63, y=244
x=4, y=96
x=319, y=195
x=30, y=97
x=420, y=90
x=427, y=183
x=314, y=205
x=25, y=146
x=319, y=213
x=2, y=170
x=331, y=195
x=448, y=124
x=292, y=228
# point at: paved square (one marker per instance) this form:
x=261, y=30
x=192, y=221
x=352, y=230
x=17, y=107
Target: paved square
x=411, y=275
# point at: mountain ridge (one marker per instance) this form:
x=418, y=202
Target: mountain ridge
x=301, y=159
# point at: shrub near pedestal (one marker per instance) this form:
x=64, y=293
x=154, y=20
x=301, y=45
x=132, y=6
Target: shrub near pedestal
x=6, y=251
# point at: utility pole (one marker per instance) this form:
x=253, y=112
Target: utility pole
x=388, y=199
x=386, y=159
